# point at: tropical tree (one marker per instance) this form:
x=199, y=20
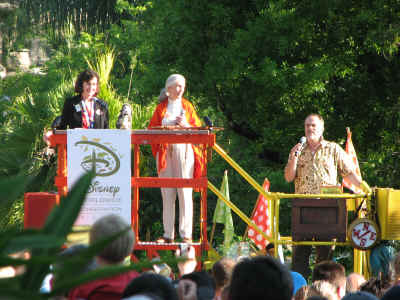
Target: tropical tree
x=266, y=65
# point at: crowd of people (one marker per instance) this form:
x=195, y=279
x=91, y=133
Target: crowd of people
x=253, y=277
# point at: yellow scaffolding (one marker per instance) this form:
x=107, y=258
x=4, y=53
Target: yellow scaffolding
x=360, y=256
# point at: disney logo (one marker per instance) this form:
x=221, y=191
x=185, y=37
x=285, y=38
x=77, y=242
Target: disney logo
x=103, y=161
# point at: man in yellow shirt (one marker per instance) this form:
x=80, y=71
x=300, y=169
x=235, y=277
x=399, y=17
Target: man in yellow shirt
x=313, y=165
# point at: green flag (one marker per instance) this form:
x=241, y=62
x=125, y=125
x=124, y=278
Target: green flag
x=222, y=214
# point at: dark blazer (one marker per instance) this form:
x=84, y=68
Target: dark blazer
x=72, y=114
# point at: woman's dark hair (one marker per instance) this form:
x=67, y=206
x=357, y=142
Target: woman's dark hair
x=85, y=76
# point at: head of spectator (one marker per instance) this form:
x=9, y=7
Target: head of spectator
x=116, y=251
x=301, y=293
x=144, y=296
x=114, y=228
x=316, y=298
x=222, y=271
x=392, y=294
x=153, y=283
x=270, y=249
x=353, y=282
x=380, y=259
x=298, y=281
x=324, y=289
x=359, y=295
x=260, y=277
x=332, y=272
x=187, y=289
x=375, y=286
x=205, y=284
x=396, y=267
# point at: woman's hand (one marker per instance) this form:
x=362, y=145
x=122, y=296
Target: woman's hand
x=46, y=136
x=181, y=121
x=189, y=265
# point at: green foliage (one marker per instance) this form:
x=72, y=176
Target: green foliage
x=43, y=245
x=265, y=66
x=92, y=16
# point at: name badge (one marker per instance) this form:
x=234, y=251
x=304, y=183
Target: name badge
x=77, y=108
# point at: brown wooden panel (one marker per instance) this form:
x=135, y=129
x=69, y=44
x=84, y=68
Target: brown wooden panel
x=319, y=219
x=311, y=215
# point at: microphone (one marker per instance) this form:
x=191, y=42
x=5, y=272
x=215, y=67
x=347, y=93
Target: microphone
x=208, y=121
x=302, y=141
x=56, y=123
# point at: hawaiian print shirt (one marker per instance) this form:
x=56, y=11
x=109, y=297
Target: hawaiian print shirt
x=321, y=168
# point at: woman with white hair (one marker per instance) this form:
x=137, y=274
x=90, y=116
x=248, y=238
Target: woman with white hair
x=177, y=160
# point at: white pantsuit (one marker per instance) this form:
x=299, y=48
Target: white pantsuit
x=180, y=164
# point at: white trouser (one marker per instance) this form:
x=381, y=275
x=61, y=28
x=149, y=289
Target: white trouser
x=180, y=164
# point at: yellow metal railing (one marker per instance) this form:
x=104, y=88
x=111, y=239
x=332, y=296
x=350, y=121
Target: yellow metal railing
x=360, y=257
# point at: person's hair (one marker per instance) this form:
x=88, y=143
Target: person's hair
x=85, y=76
x=270, y=246
x=375, y=286
x=222, y=271
x=151, y=283
x=322, y=288
x=392, y=294
x=396, y=265
x=163, y=95
x=329, y=271
x=301, y=293
x=352, y=282
x=318, y=116
x=260, y=277
x=359, y=295
x=225, y=293
x=317, y=298
x=173, y=79
x=204, y=282
x=108, y=226
x=143, y=296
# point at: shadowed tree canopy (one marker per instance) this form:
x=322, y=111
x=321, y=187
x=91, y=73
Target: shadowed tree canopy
x=267, y=64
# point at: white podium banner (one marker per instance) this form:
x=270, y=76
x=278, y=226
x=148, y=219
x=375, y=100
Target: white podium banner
x=108, y=152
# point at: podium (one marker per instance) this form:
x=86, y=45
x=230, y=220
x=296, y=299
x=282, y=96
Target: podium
x=196, y=136
x=319, y=219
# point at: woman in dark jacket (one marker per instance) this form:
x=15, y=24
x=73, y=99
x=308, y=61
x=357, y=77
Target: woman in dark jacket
x=85, y=110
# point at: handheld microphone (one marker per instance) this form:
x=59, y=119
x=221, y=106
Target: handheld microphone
x=56, y=123
x=302, y=141
x=208, y=121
